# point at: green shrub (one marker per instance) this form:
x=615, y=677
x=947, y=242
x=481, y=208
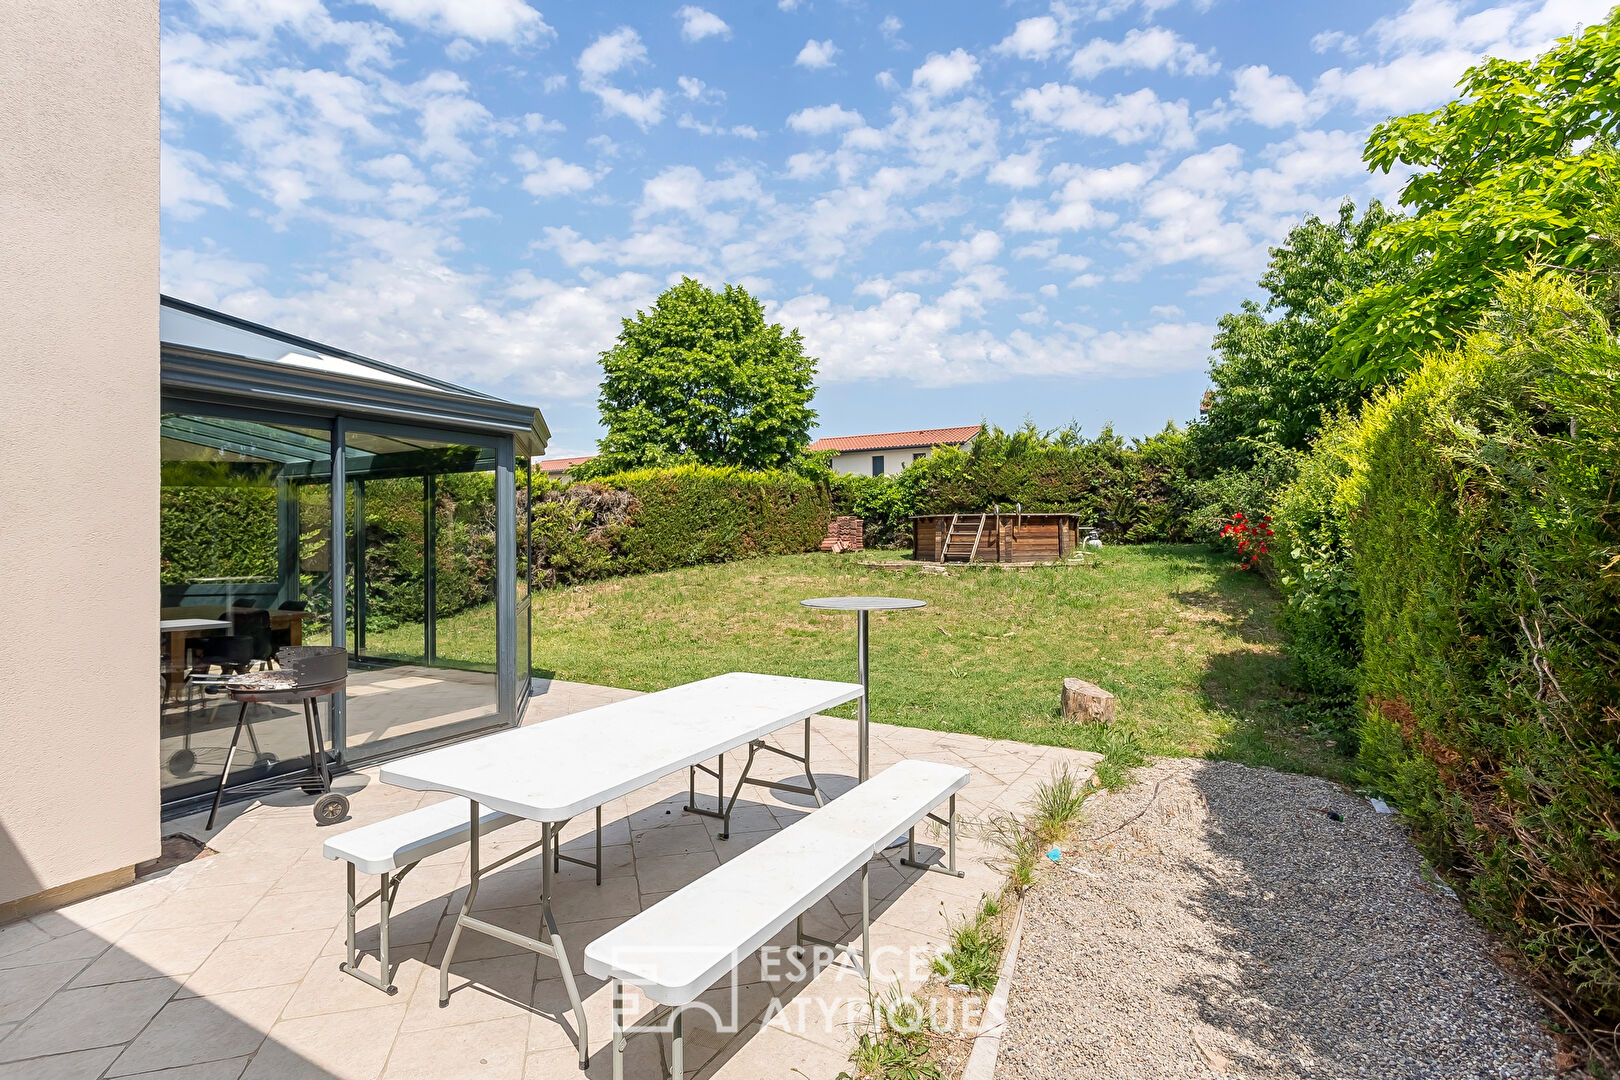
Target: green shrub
x=1133, y=492
x=1321, y=611
x=1251, y=492
x=658, y=519
x=1483, y=508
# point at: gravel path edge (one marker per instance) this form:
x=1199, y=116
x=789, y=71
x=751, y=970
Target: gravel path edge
x=981, y=1063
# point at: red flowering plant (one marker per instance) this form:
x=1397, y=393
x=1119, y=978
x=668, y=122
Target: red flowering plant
x=1253, y=537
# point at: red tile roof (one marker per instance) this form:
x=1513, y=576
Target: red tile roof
x=889, y=440
x=561, y=464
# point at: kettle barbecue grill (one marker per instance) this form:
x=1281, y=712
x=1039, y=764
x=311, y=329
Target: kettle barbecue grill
x=307, y=674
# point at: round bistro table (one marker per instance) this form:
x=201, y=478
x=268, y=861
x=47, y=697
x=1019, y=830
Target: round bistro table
x=862, y=606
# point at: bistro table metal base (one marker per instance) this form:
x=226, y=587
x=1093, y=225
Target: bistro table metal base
x=553, y=947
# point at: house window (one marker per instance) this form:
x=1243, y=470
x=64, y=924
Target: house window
x=918, y=456
x=877, y=464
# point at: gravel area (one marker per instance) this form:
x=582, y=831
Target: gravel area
x=1235, y=929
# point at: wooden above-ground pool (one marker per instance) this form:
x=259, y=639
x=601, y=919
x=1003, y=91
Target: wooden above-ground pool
x=996, y=537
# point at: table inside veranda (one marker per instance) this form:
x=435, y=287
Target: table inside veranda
x=175, y=632
x=560, y=768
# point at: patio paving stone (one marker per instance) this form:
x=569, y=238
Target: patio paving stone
x=228, y=965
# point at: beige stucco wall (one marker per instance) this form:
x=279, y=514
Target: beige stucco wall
x=78, y=440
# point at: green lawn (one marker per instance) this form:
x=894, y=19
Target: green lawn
x=1187, y=644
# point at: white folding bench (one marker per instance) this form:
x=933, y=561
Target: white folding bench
x=679, y=947
x=391, y=848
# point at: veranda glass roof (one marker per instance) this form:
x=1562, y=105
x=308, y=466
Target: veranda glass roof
x=215, y=355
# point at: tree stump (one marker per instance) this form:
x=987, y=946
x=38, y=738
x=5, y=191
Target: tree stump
x=1086, y=703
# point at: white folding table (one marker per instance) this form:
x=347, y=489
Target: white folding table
x=559, y=768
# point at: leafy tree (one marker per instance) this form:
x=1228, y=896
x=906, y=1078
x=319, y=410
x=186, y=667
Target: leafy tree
x=1270, y=390
x=1518, y=172
x=703, y=378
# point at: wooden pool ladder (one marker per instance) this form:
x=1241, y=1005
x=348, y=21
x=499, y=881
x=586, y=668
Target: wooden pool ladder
x=956, y=535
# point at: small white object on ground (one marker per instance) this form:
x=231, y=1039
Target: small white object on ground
x=1380, y=805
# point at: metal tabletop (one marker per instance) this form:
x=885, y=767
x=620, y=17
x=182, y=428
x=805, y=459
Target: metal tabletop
x=863, y=603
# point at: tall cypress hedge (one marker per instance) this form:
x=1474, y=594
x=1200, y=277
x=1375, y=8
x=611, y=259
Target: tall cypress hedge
x=1483, y=510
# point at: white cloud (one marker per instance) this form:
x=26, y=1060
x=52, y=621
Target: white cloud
x=1017, y=170
x=688, y=122
x=1271, y=100
x=481, y=20
x=980, y=248
x=945, y=73
x=1152, y=48
x=547, y=177
x=697, y=24
x=185, y=188
x=607, y=55
x=890, y=28
x=943, y=342
x=1334, y=41
x=611, y=52
x=821, y=119
x=1125, y=118
x=690, y=87
x=1074, y=205
x=816, y=54
x=1034, y=39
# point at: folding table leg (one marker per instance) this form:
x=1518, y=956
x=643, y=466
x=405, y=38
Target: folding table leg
x=559, y=953
x=466, y=908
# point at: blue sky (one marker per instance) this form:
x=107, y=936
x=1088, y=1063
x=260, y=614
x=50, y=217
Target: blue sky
x=970, y=210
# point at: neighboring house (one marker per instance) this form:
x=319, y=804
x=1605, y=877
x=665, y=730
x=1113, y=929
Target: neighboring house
x=133, y=416
x=888, y=453
x=557, y=467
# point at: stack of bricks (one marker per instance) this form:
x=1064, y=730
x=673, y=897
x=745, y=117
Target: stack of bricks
x=845, y=534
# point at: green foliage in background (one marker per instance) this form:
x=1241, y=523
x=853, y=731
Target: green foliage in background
x=703, y=378
x=658, y=519
x=1270, y=392
x=1483, y=511
x=1514, y=173
x=1133, y=491
x=1313, y=568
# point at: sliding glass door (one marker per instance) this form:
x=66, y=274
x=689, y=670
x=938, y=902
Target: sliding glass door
x=421, y=520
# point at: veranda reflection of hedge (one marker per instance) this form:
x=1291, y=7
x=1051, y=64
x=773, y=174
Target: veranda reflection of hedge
x=225, y=527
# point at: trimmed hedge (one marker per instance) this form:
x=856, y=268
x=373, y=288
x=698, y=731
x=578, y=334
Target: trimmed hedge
x=1133, y=492
x=659, y=519
x=1482, y=505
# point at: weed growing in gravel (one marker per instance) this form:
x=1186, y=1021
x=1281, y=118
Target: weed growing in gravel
x=975, y=952
x=1121, y=753
x=897, y=1046
x=1057, y=806
x=1021, y=847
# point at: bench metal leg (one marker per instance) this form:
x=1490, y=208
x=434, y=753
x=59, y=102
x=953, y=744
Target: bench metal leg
x=385, y=895
x=677, y=1051
x=553, y=947
x=949, y=821
x=619, y=1037
x=810, y=787
x=866, y=927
